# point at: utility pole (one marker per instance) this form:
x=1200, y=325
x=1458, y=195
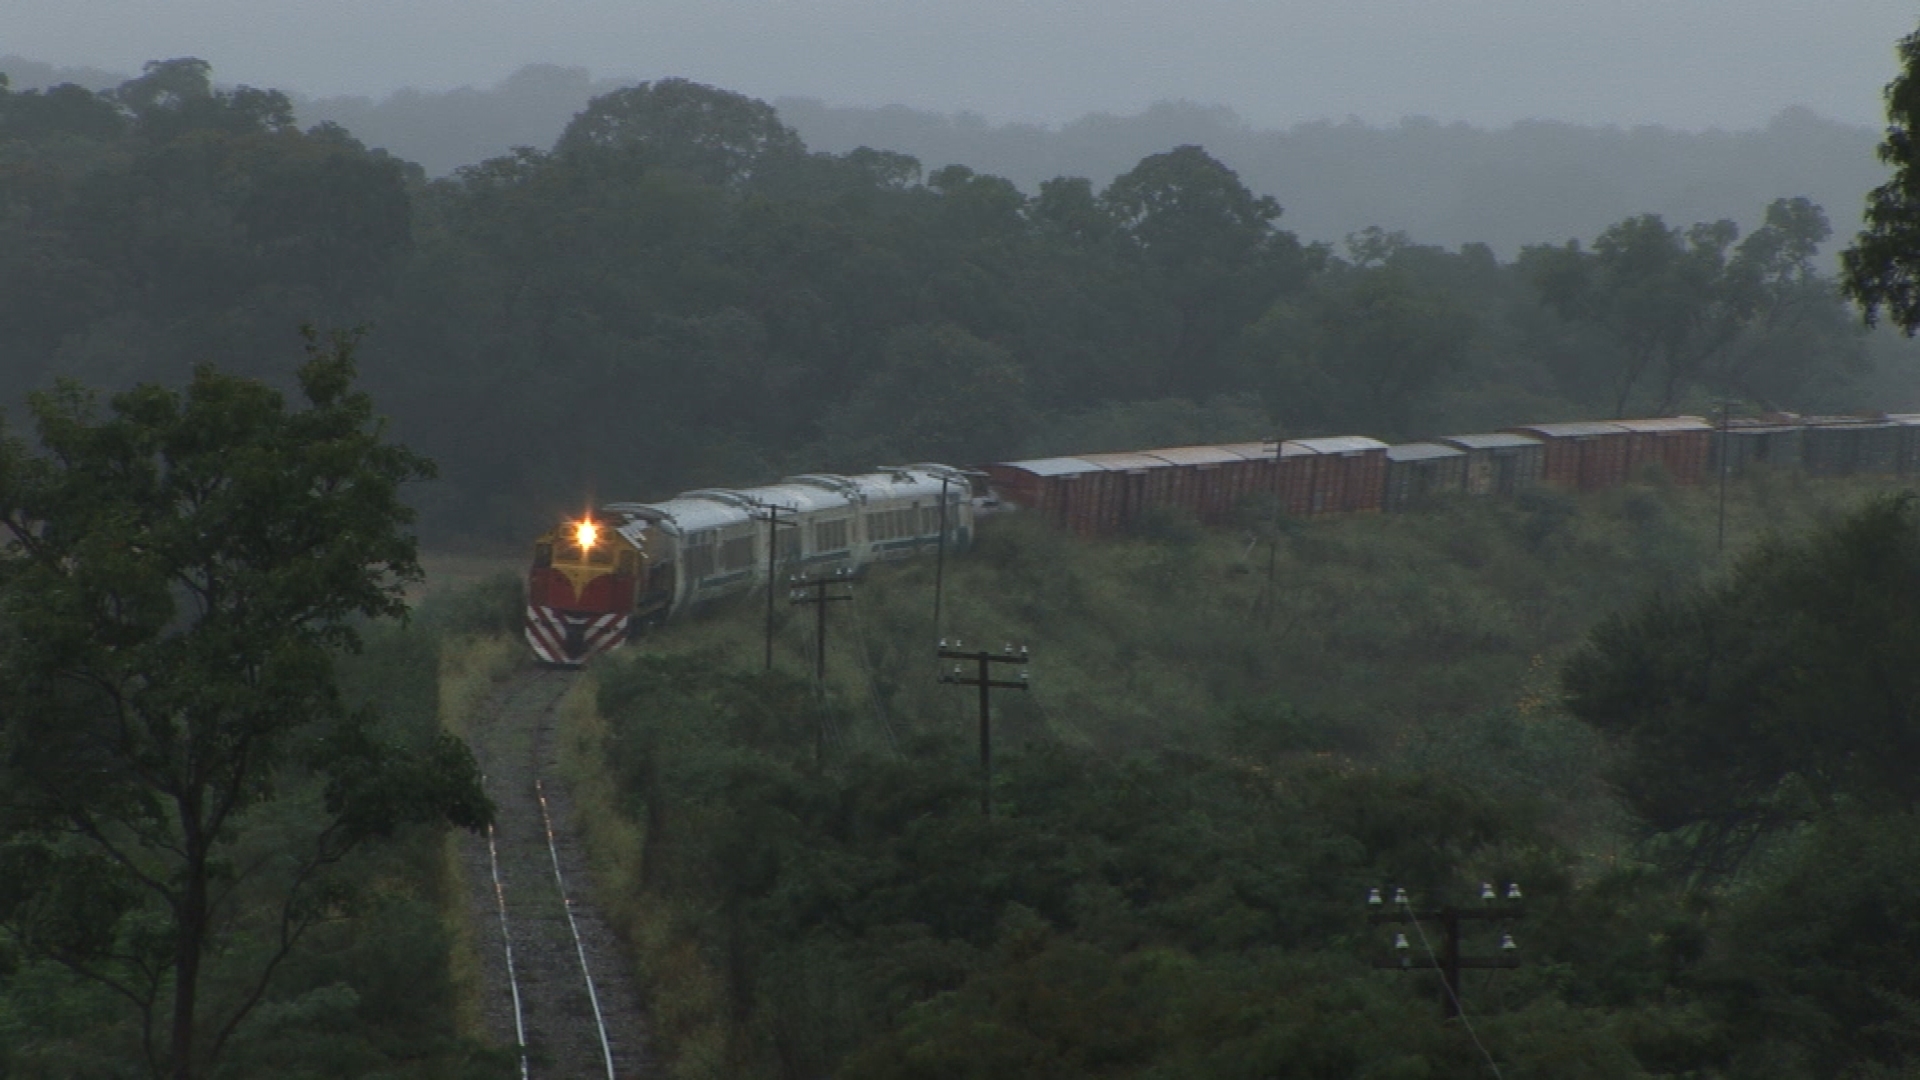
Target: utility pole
x=940, y=554
x=983, y=678
x=1273, y=540
x=770, y=513
x=1450, y=963
x=797, y=594
x=1726, y=411
x=948, y=477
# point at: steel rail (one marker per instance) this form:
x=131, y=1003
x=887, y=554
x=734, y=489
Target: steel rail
x=579, y=946
x=506, y=940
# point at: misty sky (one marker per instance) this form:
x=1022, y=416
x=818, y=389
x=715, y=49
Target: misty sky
x=1683, y=63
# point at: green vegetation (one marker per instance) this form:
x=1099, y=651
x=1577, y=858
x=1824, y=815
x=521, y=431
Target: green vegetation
x=187, y=785
x=1193, y=799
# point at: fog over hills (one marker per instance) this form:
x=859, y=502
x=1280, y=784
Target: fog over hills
x=1528, y=182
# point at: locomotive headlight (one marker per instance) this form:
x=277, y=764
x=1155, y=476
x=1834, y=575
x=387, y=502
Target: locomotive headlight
x=585, y=533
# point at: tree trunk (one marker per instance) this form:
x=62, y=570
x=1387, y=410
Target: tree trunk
x=191, y=926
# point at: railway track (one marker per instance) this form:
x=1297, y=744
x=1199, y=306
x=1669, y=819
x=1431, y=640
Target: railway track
x=555, y=982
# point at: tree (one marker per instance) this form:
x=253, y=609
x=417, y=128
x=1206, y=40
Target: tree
x=1367, y=345
x=721, y=137
x=940, y=394
x=1882, y=268
x=1659, y=292
x=1753, y=705
x=1800, y=332
x=172, y=97
x=176, y=579
x=1216, y=249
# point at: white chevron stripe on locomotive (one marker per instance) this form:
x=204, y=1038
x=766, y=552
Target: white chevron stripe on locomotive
x=549, y=632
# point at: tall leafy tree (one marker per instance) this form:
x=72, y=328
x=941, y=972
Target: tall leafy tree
x=177, y=577
x=1658, y=291
x=1366, y=346
x=1882, y=268
x=721, y=137
x=1800, y=335
x=1217, y=252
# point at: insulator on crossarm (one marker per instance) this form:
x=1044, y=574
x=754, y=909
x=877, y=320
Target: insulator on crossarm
x=1373, y=898
x=1400, y=897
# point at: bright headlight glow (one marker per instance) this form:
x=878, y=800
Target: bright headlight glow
x=585, y=533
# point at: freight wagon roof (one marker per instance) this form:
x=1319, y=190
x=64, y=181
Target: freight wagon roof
x=1125, y=462
x=1497, y=441
x=1423, y=451
x=1261, y=451
x=1340, y=444
x=1845, y=421
x=1054, y=466
x=1580, y=429
x=1660, y=424
x=1905, y=419
x=1197, y=455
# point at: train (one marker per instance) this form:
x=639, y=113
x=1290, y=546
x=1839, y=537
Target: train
x=623, y=568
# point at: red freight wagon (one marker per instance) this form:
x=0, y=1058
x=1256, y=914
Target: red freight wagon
x=1206, y=480
x=1291, y=477
x=1349, y=473
x=1131, y=483
x=1581, y=456
x=1046, y=486
x=1258, y=477
x=1680, y=444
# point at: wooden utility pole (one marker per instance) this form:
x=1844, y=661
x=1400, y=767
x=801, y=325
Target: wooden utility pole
x=983, y=678
x=940, y=554
x=1270, y=600
x=1726, y=421
x=948, y=478
x=770, y=513
x=1450, y=963
x=798, y=594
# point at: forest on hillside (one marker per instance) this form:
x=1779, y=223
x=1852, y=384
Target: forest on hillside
x=1446, y=183
x=1661, y=771
x=679, y=291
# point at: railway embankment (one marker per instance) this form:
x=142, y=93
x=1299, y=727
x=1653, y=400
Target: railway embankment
x=542, y=968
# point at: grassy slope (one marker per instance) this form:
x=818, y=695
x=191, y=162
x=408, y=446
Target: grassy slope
x=1428, y=640
x=1382, y=626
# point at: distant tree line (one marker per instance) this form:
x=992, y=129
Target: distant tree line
x=679, y=292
